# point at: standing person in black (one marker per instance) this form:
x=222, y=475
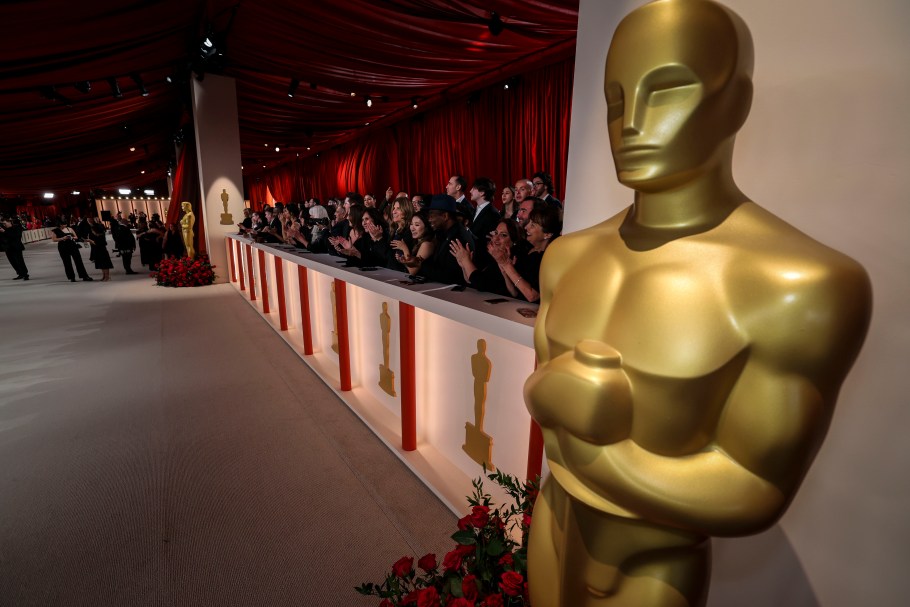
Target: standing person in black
x=100, y=255
x=126, y=242
x=11, y=233
x=68, y=247
x=442, y=266
x=173, y=242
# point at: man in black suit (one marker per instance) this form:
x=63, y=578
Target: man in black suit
x=11, y=233
x=485, y=219
x=442, y=265
x=456, y=188
x=543, y=189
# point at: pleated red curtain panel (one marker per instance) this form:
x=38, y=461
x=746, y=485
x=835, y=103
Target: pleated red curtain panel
x=504, y=134
x=187, y=188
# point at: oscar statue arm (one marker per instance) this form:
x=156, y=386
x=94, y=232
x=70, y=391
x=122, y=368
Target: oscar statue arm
x=805, y=339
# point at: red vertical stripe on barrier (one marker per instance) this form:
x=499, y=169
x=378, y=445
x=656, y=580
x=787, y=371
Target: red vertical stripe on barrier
x=249, y=269
x=344, y=351
x=408, y=377
x=239, y=249
x=305, y=323
x=279, y=284
x=263, y=282
x=230, y=253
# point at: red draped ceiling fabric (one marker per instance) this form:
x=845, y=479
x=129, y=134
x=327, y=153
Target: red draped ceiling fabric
x=498, y=133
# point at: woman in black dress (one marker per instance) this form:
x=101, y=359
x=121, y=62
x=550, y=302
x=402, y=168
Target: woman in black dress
x=99, y=251
x=173, y=242
x=68, y=247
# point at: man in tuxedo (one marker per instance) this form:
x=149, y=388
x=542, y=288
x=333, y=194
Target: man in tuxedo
x=485, y=218
x=456, y=188
x=543, y=189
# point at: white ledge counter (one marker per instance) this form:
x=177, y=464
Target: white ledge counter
x=436, y=373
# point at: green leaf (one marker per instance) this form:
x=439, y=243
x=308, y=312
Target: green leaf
x=465, y=538
x=495, y=547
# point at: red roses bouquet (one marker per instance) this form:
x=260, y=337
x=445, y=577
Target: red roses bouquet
x=185, y=272
x=486, y=568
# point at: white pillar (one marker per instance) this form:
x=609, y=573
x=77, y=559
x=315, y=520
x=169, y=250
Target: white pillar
x=218, y=150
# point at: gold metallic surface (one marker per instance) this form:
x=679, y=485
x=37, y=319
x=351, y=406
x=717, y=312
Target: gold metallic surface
x=186, y=228
x=226, y=218
x=386, y=375
x=477, y=443
x=691, y=348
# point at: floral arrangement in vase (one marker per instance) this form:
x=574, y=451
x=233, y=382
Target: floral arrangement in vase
x=185, y=272
x=486, y=568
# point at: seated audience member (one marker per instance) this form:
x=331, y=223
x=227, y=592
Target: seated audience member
x=509, y=205
x=445, y=222
x=399, y=229
x=524, y=188
x=420, y=201
x=423, y=245
x=340, y=225
x=543, y=189
x=317, y=235
x=341, y=245
x=522, y=272
x=247, y=223
x=489, y=277
x=273, y=231
x=369, y=201
x=372, y=247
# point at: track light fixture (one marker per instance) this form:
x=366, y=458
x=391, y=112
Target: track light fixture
x=369, y=101
x=414, y=102
x=139, y=85
x=292, y=88
x=115, y=88
x=495, y=24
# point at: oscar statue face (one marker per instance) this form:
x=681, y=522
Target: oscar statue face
x=676, y=93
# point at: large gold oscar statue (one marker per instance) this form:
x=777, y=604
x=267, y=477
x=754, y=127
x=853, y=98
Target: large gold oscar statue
x=691, y=348
x=186, y=228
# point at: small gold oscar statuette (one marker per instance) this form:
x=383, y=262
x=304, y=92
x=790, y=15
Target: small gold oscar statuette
x=386, y=375
x=226, y=218
x=334, y=322
x=477, y=443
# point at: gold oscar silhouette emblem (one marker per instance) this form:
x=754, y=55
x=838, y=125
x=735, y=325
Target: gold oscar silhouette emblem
x=386, y=375
x=226, y=218
x=334, y=321
x=691, y=347
x=477, y=443
x=186, y=228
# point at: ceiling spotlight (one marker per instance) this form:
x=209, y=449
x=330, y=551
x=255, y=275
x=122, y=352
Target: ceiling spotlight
x=207, y=48
x=353, y=94
x=414, y=102
x=75, y=192
x=83, y=87
x=495, y=24
x=277, y=149
x=132, y=149
x=115, y=88
x=169, y=79
x=307, y=147
x=293, y=87
x=138, y=80
x=142, y=172
x=48, y=194
x=369, y=101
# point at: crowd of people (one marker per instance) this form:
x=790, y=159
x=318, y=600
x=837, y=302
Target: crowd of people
x=464, y=237
x=72, y=235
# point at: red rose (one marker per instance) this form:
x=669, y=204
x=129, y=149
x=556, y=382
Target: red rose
x=460, y=603
x=428, y=597
x=403, y=566
x=494, y=600
x=512, y=583
x=452, y=561
x=469, y=587
x=410, y=598
x=385, y=603
x=506, y=560
x=427, y=562
x=464, y=522
x=479, y=516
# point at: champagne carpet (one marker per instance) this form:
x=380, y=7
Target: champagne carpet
x=165, y=447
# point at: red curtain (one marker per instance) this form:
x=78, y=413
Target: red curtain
x=504, y=134
x=187, y=189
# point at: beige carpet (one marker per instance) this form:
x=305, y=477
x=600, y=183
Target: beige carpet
x=164, y=447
